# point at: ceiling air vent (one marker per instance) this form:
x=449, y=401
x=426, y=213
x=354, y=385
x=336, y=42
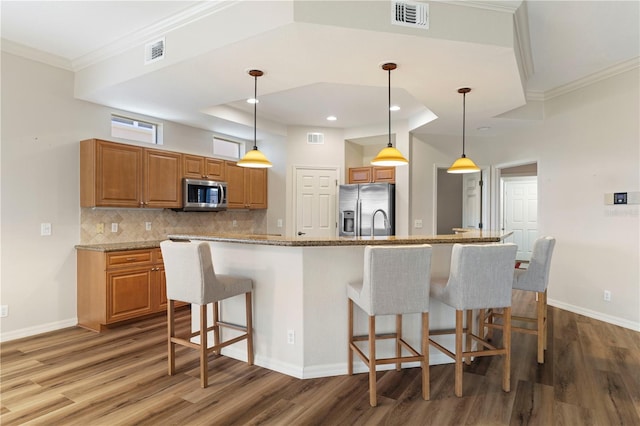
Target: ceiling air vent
x=410, y=14
x=154, y=51
x=315, y=138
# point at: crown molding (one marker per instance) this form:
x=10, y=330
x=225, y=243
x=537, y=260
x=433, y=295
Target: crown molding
x=35, y=54
x=497, y=6
x=609, y=72
x=194, y=13
x=522, y=41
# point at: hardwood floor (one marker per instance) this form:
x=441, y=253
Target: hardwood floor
x=77, y=377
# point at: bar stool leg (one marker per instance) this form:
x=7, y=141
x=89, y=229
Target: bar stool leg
x=506, y=340
x=204, y=370
x=249, y=315
x=216, y=327
x=171, y=332
x=468, y=340
x=350, y=338
x=459, y=357
x=426, y=393
x=372, y=361
x=398, y=337
x=541, y=314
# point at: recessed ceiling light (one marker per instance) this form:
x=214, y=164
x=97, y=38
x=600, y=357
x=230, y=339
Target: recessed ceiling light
x=253, y=101
x=332, y=118
x=394, y=108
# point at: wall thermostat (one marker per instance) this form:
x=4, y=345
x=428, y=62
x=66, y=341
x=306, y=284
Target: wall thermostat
x=622, y=198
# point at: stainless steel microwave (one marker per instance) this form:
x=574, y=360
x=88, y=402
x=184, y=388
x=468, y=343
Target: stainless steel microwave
x=204, y=195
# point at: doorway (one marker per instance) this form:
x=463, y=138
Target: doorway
x=461, y=200
x=518, y=201
x=315, y=201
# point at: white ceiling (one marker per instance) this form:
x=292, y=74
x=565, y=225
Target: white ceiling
x=311, y=70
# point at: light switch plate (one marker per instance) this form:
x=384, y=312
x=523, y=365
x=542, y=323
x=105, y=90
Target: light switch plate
x=45, y=229
x=114, y=227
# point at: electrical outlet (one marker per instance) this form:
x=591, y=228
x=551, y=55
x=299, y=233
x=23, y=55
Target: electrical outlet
x=45, y=229
x=234, y=223
x=147, y=226
x=114, y=227
x=100, y=228
x=4, y=311
x=279, y=225
x=418, y=223
x=607, y=296
x=291, y=337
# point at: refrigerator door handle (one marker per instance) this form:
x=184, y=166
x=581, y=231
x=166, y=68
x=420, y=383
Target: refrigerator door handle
x=358, y=218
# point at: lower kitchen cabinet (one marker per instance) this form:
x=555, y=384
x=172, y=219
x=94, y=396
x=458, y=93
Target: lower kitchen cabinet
x=119, y=286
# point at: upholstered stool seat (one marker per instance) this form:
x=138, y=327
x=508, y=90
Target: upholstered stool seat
x=480, y=277
x=395, y=282
x=191, y=278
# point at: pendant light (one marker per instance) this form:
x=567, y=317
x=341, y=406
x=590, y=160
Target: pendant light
x=255, y=158
x=463, y=164
x=389, y=156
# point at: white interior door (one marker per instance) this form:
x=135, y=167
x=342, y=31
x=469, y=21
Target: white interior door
x=316, y=202
x=521, y=213
x=470, y=200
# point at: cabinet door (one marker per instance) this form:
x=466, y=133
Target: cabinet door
x=360, y=175
x=384, y=174
x=129, y=293
x=118, y=175
x=163, y=177
x=235, y=186
x=256, y=188
x=214, y=169
x=193, y=166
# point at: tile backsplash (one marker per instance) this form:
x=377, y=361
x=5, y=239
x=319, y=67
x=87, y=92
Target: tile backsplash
x=131, y=224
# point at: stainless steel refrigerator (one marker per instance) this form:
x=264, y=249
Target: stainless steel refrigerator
x=366, y=206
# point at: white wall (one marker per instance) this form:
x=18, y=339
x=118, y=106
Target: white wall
x=587, y=145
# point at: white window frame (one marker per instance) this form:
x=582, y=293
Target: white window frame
x=135, y=129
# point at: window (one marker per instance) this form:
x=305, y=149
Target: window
x=134, y=130
x=225, y=148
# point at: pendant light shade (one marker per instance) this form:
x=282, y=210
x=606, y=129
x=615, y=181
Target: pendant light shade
x=389, y=156
x=255, y=158
x=463, y=164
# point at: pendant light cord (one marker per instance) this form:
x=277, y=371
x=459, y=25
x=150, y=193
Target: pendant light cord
x=464, y=115
x=389, y=108
x=255, y=109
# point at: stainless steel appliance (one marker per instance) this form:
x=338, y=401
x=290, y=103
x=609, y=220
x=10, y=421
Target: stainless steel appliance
x=366, y=207
x=204, y=195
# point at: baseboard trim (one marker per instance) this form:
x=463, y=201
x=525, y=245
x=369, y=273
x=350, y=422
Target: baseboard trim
x=39, y=329
x=610, y=319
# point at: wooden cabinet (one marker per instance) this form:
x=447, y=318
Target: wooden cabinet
x=371, y=174
x=197, y=167
x=119, y=286
x=121, y=175
x=246, y=187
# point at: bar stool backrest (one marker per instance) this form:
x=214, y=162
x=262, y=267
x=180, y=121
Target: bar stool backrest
x=536, y=276
x=481, y=276
x=189, y=272
x=396, y=279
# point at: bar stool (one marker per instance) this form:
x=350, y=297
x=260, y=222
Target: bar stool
x=480, y=277
x=191, y=278
x=395, y=282
x=534, y=278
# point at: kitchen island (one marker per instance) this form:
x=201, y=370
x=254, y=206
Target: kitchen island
x=300, y=302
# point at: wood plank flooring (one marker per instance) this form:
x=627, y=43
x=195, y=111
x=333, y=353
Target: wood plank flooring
x=77, y=377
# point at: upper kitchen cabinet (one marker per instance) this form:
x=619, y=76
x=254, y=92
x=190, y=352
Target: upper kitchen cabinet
x=196, y=167
x=246, y=187
x=121, y=175
x=371, y=174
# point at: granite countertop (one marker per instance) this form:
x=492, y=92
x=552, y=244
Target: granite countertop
x=470, y=236
x=133, y=245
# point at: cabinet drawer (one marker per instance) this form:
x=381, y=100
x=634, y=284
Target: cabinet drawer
x=122, y=258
